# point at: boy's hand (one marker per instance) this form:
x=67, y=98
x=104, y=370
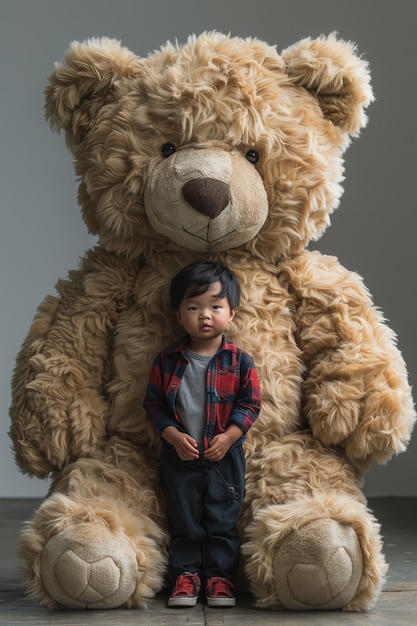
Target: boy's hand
x=218, y=449
x=221, y=444
x=185, y=446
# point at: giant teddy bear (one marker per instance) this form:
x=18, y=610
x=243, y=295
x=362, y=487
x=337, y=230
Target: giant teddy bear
x=221, y=149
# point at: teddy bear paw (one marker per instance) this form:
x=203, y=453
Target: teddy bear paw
x=89, y=567
x=318, y=566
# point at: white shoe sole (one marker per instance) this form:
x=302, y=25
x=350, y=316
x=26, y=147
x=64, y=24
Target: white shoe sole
x=221, y=601
x=182, y=601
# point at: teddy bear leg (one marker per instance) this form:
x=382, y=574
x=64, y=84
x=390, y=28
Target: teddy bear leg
x=319, y=554
x=88, y=566
x=95, y=555
x=318, y=566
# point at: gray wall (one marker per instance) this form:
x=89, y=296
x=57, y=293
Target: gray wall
x=43, y=236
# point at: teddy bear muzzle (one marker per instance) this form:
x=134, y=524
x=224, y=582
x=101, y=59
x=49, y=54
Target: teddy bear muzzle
x=206, y=199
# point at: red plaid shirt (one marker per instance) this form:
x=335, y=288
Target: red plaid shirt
x=233, y=391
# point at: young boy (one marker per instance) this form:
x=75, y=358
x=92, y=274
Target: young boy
x=203, y=396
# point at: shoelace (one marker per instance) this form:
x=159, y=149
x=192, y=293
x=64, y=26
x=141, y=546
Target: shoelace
x=219, y=587
x=187, y=584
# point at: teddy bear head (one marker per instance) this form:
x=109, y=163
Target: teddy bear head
x=217, y=144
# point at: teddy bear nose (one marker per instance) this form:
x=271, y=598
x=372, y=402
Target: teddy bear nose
x=207, y=195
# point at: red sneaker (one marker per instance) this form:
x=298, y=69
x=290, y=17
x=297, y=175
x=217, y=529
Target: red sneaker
x=186, y=590
x=219, y=592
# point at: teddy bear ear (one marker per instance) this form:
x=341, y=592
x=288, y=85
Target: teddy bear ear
x=332, y=71
x=87, y=81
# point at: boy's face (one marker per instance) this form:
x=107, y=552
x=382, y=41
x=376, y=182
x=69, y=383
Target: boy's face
x=205, y=316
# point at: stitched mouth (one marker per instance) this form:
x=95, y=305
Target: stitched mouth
x=206, y=237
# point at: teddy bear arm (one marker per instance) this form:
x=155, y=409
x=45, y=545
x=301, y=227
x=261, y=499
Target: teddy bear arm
x=26, y=430
x=59, y=406
x=355, y=392
x=387, y=409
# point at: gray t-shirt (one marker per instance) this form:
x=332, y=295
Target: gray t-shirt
x=191, y=403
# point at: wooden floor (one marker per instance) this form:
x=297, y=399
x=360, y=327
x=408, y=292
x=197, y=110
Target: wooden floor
x=397, y=604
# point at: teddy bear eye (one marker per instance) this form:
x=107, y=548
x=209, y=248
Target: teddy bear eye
x=252, y=156
x=168, y=149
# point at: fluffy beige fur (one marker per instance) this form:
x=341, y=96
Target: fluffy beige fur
x=271, y=131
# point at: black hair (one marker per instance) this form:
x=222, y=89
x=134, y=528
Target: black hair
x=196, y=278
